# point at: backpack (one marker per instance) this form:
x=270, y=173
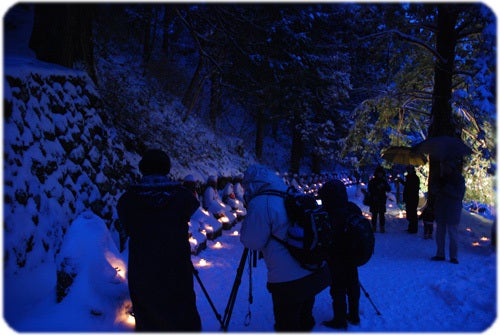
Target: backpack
x=309, y=236
x=360, y=238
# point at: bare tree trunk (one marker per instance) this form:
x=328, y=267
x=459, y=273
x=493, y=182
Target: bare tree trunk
x=51, y=34
x=85, y=46
x=62, y=34
x=168, y=17
x=190, y=97
x=441, y=113
x=442, y=120
x=316, y=163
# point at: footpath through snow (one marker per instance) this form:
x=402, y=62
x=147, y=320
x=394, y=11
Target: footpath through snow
x=411, y=292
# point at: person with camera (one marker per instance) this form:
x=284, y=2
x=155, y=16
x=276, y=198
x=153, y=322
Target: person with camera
x=155, y=213
x=345, y=288
x=292, y=287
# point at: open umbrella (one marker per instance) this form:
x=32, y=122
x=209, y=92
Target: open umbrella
x=403, y=155
x=443, y=148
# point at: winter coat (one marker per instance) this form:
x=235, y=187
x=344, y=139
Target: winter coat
x=155, y=214
x=411, y=190
x=335, y=201
x=378, y=187
x=266, y=216
x=448, y=193
x=343, y=269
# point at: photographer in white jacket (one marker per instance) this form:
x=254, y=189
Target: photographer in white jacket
x=292, y=287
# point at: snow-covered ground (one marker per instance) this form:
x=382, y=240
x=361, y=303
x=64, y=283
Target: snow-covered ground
x=412, y=293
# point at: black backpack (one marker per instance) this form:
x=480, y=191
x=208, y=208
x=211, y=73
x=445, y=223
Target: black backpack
x=310, y=236
x=360, y=238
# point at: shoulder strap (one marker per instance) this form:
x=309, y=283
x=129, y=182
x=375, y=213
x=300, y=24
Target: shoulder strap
x=279, y=240
x=277, y=193
x=269, y=192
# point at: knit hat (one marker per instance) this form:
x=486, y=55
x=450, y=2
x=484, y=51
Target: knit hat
x=333, y=194
x=154, y=162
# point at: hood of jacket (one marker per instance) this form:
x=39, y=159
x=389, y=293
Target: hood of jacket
x=258, y=178
x=154, y=191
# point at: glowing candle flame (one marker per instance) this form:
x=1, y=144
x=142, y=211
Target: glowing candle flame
x=468, y=229
x=484, y=238
x=475, y=244
x=130, y=320
x=120, y=273
x=218, y=245
x=202, y=262
x=118, y=264
x=125, y=316
x=224, y=219
x=235, y=233
x=193, y=241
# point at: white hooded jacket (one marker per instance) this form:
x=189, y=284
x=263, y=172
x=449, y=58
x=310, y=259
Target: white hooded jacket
x=266, y=216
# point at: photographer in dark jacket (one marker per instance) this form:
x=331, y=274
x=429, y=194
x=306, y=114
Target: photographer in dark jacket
x=155, y=213
x=345, y=289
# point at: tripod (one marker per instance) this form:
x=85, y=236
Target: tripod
x=217, y=315
x=224, y=322
x=234, y=291
x=369, y=299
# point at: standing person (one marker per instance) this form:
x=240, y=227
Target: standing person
x=411, y=197
x=345, y=289
x=427, y=217
x=292, y=287
x=155, y=213
x=378, y=187
x=448, y=193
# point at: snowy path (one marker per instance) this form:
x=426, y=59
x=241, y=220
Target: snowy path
x=411, y=292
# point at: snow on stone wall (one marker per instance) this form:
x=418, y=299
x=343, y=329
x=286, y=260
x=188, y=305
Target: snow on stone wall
x=59, y=160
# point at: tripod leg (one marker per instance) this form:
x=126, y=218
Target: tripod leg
x=369, y=299
x=196, y=274
x=234, y=291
